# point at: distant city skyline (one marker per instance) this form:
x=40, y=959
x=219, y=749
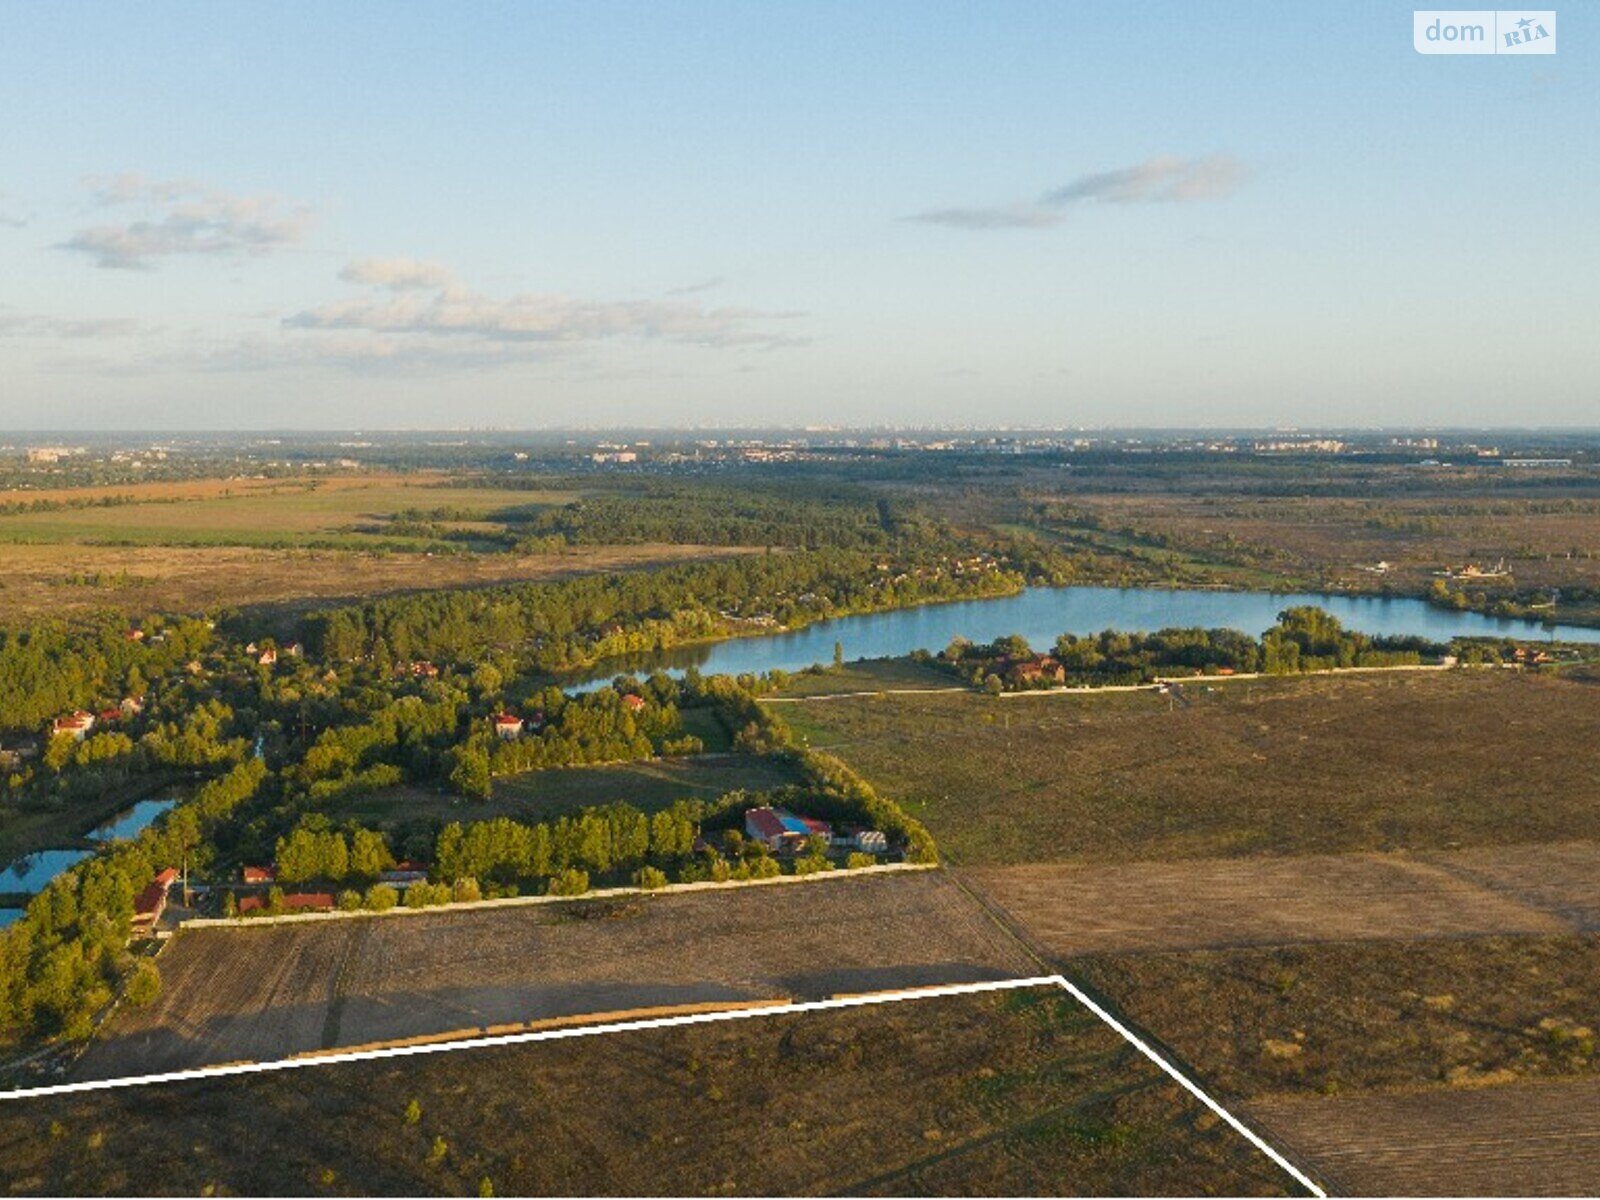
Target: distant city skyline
x=1038, y=216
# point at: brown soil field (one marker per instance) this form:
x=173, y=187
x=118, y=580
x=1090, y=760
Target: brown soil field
x=1360, y=1016
x=273, y=991
x=1217, y=903
x=1313, y=765
x=38, y=579
x=1539, y=1139
x=1017, y=1094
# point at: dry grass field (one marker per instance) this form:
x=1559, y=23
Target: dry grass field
x=1312, y=765
x=273, y=991
x=1540, y=1139
x=1546, y=541
x=1360, y=1016
x=42, y=579
x=1069, y=910
x=1016, y=1094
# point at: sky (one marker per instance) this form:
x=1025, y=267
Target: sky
x=527, y=215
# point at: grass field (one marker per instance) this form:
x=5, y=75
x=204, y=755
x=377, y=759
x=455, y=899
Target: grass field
x=271, y=991
x=868, y=675
x=1300, y=766
x=1020, y=1094
x=537, y=795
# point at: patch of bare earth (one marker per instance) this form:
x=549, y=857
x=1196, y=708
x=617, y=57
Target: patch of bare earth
x=273, y=991
x=1535, y=1139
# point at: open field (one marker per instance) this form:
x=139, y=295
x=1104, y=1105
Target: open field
x=1547, y=541
x=255, y=512
x=1539, y=1139
x=1016, y=1094
x=538, y=795
x=43, y=579
x=868, y=675
x=1069, y=910
x=1361, y=1016
x=268, y=992
x=1307, y=765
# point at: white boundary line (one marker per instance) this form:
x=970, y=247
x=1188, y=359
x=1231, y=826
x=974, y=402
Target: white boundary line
x=579, y=1031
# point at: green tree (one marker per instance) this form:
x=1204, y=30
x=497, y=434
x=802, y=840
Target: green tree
x=144, y=984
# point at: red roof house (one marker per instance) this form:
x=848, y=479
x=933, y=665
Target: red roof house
x=634, y=703
x=260, y=874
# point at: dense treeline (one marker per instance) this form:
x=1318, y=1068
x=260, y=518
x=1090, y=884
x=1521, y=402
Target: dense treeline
x=661, y=511
x=574, y=623
x=60, y=962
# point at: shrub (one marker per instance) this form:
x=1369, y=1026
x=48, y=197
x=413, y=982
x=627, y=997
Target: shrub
x=764, y=868
x=381, y=897
x=811, y=864
x=349, y=900
x=413, y=1111
x=466, y=891
x=650, y=878
x=570, y=882
x=144, y=984
x=859, y=859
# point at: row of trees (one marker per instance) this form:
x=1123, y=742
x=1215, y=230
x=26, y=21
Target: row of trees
x=1305, y=638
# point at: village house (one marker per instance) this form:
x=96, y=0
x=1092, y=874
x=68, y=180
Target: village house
x=507, y=726
x=259, y=874
x=404, y=874
x=267, y=657
x=1043, y=669
x=633, y=702
x=76, y=725
x=781, y=831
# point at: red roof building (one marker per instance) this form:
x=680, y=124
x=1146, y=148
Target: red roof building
x=634, y=703
x=76, y=725
x=152, y=902
x=260, y=874
x=297, y=902
x=507, y=726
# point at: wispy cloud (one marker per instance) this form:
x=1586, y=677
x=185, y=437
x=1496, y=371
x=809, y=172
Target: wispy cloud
x=424, y=300
x=1166, y=179
x=399, y=274
x=182, y=217
x=703, y=285
x=20, y=324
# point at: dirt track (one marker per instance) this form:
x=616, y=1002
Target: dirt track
x=1538, y=1139
x=1213, y=903
x=266, y=993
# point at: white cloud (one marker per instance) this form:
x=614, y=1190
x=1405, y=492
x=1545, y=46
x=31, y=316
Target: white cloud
x=703, y=285
x=182, y=217
x=443, y=309
x=1163, y=179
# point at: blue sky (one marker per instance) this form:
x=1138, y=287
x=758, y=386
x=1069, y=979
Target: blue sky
x=526, y=215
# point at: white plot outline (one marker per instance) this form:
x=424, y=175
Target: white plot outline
x=645, y=1023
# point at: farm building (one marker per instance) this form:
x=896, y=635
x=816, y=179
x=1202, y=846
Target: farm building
x=855, y=837
x=781, y=830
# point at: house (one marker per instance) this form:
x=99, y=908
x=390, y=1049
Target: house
x=76, y=725
x=260, y=874
x=507, y=726
x=422, y=669
x=109, y=716
x=858, y=837
x=134, y=635
x=781, y=830
x=295, y=650
x=404, y=875
x=152, y=902
x=267, y=657
x=633, y=702
x=131, y=706
x=1042, y=669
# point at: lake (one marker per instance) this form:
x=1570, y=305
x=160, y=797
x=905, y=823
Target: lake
x=130, y=821
x=32, y=872
x=1042, y=614
x=9, y=916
